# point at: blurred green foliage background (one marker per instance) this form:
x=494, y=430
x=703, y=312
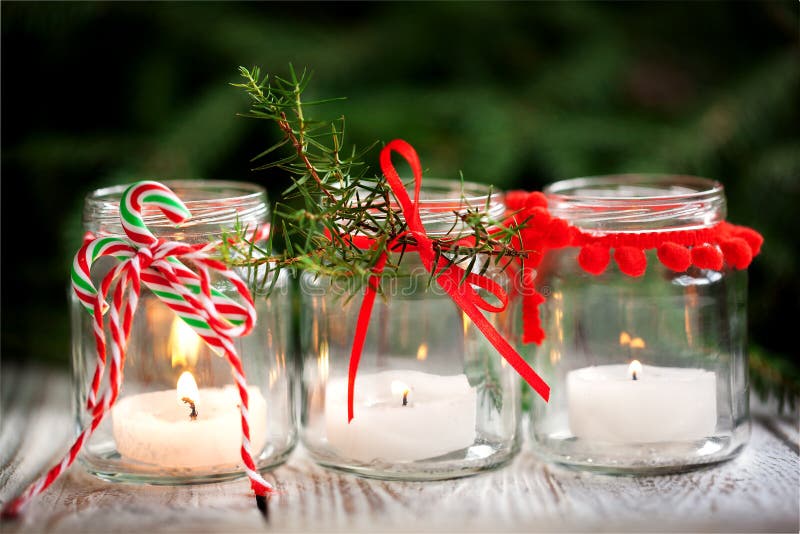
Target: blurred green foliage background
x=516, y=94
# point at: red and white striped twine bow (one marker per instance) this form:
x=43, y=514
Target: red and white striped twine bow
x=156, y=262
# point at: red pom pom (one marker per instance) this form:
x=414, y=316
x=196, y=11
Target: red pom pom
x=515, y=200
x=536, y=200
x=532, y=237
x=737, y=252
x=531, y=323
x=536, y=226
x=558, y=233
x=539, y=217
x=753, y=238
x=534, y=258
x=707, y=257
x=674, y=256
x=631, y=260
x=594, y=258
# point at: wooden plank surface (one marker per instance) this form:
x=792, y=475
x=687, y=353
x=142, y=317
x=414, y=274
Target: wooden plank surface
x=758, y=491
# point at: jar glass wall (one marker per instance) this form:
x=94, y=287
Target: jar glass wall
x=433, y=399
x=648, y=373
x=149, y=435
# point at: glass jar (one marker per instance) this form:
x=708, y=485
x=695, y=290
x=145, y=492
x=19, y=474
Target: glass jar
x=433, y=398
x=150, y=436
x=648, y=370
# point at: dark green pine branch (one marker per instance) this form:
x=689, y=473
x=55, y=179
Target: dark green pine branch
x=340, y=200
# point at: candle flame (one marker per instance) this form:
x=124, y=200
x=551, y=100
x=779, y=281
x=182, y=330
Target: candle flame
x=624, y=338
x=635, y=370
x=400, y=388
x=187, y=389
x=422, y=352
x=184, y=344
x=637, y=343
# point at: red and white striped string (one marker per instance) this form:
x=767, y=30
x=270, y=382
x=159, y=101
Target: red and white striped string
x=156, y=262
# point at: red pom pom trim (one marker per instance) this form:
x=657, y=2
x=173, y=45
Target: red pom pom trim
x=594, y=258
x=707, y=248
x=532, y=331
x=631, y=260
x=540, y=217
x=515, y=200
x=707, y=257
x=737, y=252
x=753, y=238
x=674, y=256
x=536, y=200
x=558, y=235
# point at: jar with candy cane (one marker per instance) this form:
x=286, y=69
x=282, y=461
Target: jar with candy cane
x=177, y=416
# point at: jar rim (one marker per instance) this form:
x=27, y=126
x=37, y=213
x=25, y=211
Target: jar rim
x=441, y=197
x=682, y=186
x=249, y=191
x=638, y=202
x=211, y=202
x=474, y=193
x=471, y=192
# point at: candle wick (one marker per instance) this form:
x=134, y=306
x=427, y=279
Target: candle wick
x=190, y=402
x=633, y=375
x=405, y=398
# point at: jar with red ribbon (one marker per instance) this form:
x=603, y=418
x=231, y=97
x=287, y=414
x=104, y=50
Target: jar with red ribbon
x=165, y=404
x=431, y=398
x=644, y=323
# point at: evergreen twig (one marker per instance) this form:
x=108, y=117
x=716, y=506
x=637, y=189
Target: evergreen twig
x=340, y=200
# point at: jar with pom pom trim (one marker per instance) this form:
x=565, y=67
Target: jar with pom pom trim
x=644, y=326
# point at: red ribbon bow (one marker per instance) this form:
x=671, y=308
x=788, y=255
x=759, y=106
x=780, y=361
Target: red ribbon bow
x=453, y=279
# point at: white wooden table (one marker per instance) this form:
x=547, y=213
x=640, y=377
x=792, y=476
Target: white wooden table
x=758, y=491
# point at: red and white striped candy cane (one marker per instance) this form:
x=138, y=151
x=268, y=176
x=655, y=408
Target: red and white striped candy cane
x=91, y=250
x=99, y=409
x=145, y=258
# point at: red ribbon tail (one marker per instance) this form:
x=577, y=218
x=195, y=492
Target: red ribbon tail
x=450, y=281
x=462, y=294
x=361, y=331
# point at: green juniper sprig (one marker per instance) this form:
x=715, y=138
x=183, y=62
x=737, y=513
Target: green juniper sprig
x=339, y=199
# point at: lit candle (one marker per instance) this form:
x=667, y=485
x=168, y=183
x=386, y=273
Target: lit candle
x=155, y=429
x=401, y=416
x=187, y=427
x=638, y=403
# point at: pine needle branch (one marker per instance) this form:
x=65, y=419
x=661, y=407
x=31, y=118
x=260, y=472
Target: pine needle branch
x=340, y=201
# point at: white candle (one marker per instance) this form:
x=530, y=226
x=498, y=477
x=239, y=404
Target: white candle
x=439, y=416
x=662, y=404
x=156, y=428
